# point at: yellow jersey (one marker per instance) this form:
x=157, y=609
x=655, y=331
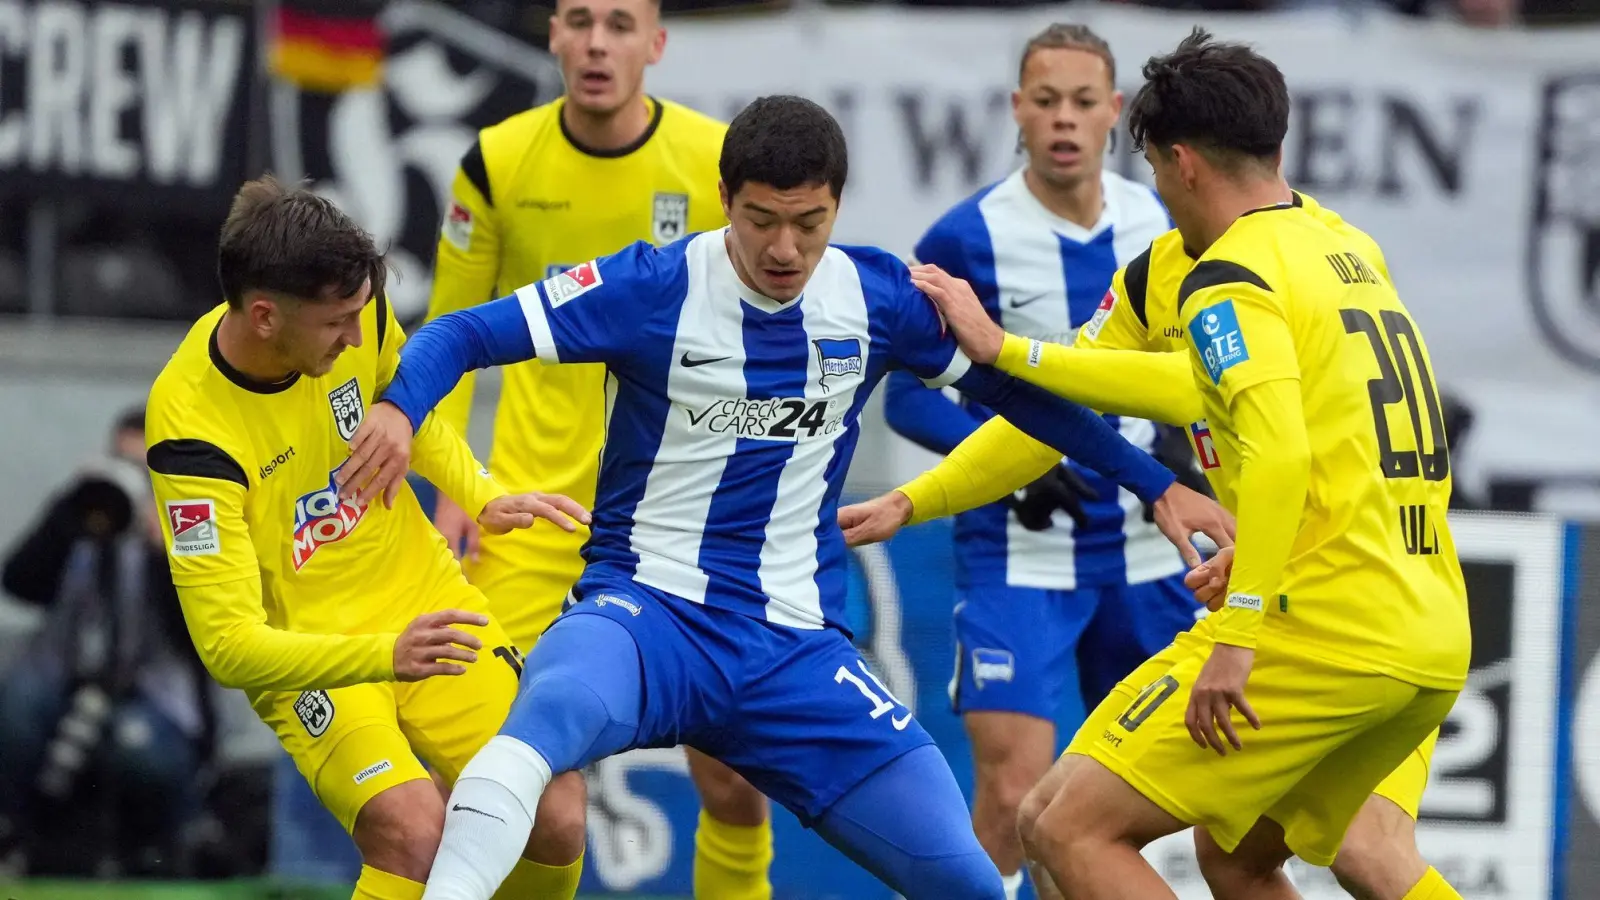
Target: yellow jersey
x=528, y=202
x=283, y=585
x=1371, y=577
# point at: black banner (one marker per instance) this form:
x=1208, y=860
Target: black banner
x=145, y=105
x=387, y=156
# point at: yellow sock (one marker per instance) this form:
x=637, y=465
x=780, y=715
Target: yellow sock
x=378, y=885
x=533, y=881
x=730, y=861
x=1432, y=887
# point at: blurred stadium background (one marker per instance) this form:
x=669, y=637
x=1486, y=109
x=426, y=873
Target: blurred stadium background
x=1463, y=134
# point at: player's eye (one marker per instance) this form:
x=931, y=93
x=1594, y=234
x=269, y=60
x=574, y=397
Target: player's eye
x=1087, y=103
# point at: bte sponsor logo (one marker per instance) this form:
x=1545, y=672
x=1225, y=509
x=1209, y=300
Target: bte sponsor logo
x=194, y=527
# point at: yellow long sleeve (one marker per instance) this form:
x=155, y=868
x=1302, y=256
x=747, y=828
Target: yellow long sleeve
x=440, y=454
x=1274, y=475
x=240, y=650
x=991, y=463
x=465, y=270
x=1157, y=386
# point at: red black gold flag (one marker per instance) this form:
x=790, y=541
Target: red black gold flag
x=327, y=45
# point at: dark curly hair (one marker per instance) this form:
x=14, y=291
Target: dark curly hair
x=290, y=241
x=786, y=142
x=1224, y=100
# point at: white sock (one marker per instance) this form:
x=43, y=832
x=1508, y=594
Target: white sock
x=1012, y=884
x=487, y=820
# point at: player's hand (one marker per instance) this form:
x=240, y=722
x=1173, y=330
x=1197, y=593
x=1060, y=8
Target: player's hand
x=380, y=456
x=1218, y=691
x=1209, y=580
x=874, y=520
x=1180, y=513
x=458, y=528
x=510, y=511
x=421, y=650
x=979, y=336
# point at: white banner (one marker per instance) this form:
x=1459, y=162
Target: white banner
x=1473, y=157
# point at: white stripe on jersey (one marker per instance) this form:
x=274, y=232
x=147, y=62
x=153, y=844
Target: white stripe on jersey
x=670, y=520
x=789, y=555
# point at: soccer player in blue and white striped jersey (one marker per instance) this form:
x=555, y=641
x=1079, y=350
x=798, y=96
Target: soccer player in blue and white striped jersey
x=1064, y=588
x=711, y=611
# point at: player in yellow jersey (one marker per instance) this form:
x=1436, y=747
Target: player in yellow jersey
x=1379, y=856
x=1325, y=438
x=573, y=180
x=303, y=600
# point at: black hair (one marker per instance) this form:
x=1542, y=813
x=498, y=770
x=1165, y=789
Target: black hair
x=290, y=241
x=786, y=142
x=1225, y=100
x=131, y=419
x=1068, y=36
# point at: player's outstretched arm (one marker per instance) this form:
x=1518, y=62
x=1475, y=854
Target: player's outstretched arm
x=1155, y=386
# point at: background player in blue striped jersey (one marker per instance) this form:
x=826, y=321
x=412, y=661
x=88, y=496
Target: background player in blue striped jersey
x=711, y=609
x=1065, y=588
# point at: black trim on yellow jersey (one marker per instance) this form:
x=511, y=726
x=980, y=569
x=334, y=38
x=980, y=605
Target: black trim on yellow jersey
x=472, y=166
x=1295, y=203
x=1136, y=281
x=253, y=385
x=1213, y=272
x=383, y=320
x=655, y=122
x=195, y=458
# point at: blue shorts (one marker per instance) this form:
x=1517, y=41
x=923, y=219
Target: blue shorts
x=1056, y=654
x=796, y=712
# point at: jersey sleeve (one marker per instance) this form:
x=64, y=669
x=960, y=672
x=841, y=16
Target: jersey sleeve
x=467, y=263
x=593, y=312
x=589, y=313
x=920, y=342
x=1146, y=385
x=439, y=453
x=1116, y=324
x=995, y=460
x=200, y=490
x=1236, y=327
x=922, y=414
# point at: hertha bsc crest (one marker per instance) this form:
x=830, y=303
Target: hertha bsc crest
x=347, y=409
x=1564, y=251
x=670, y=220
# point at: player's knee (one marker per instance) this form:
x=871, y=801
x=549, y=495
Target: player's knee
x=562, y=717
x=1231, y=874
x=967, y=875
x=398, y=831
x=559, y=829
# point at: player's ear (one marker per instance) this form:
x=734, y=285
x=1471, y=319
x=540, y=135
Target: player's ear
x=1116, y=105
x=727, y=201
x=658, y=45
x=261, y=313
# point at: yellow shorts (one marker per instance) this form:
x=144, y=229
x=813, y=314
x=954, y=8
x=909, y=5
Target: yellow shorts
x=352, y=743
x=525, y=585
x=1404, y=786
x=1328, y=736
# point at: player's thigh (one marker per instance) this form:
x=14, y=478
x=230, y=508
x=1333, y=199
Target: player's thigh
x=1316, y=813
x=814, y=725
x=448, y=718
x=346, y=743
x=1404, y=786
x=1131, y=623
x=1014, y=649
x=524, y=599
x=1307, y=708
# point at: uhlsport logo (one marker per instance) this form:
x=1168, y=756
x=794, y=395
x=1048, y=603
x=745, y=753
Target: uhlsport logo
x=321, y=518
x=1564, y=240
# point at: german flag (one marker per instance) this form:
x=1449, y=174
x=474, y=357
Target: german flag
x=327, y=45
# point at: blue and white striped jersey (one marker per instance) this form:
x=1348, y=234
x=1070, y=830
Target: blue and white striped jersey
x=1041, y=276
x=732, y=417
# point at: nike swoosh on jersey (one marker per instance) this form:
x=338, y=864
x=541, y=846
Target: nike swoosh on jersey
x=1017, y=303
x=900, y=722
x=689, y=363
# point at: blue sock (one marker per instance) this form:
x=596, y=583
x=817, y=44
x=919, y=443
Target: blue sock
x=581, y=694
x=907, y=824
